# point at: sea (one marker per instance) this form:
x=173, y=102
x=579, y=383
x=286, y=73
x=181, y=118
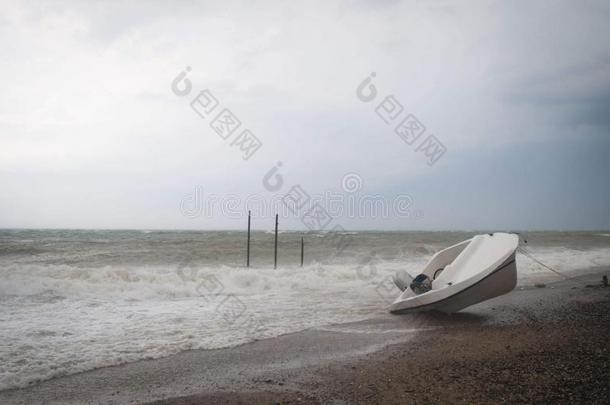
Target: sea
x=75, y=300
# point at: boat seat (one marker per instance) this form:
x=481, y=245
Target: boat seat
x=478, y=255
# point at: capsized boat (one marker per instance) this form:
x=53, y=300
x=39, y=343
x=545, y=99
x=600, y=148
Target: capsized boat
x=461, y=275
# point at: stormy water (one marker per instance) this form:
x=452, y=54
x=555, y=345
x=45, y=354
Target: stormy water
x=74, y=300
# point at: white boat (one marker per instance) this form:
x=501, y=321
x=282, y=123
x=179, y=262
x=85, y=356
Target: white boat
x=461, y=275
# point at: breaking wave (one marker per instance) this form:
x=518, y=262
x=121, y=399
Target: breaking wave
x=59, y=319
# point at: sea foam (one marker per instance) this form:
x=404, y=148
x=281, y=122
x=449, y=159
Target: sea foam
x=59, y=319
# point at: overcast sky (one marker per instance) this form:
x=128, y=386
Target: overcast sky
x=92, y=135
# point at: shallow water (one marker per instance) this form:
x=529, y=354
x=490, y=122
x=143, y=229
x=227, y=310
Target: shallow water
x=77, y=300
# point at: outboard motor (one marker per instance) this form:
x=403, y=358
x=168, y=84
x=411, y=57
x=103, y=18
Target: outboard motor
x=421, y=284
x=402, y=279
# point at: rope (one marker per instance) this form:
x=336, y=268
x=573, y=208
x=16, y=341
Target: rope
x=529, y=255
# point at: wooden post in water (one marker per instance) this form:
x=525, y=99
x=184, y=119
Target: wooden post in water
x=275, y=250
x=248, y=246
x=302, y=250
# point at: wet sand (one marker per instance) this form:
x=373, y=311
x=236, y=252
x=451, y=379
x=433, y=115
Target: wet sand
x=532, y=345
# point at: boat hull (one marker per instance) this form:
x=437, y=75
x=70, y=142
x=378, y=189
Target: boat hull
x=500, y=281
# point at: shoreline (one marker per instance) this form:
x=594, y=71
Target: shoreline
x=377, y=360
x=526, y=363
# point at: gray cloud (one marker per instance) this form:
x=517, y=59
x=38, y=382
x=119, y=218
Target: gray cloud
x=86, y=103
